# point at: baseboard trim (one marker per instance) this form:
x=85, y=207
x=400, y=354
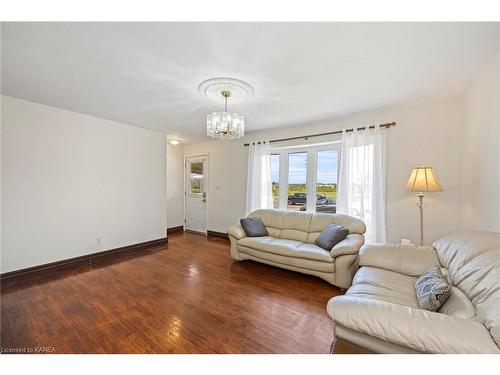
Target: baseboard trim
x=81, y=260
x=179, y=228
x=211, y=233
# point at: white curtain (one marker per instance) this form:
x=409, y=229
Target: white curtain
x=362, y=180
x=259, y=187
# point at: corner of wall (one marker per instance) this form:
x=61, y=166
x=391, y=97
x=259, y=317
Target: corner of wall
x=175, y=185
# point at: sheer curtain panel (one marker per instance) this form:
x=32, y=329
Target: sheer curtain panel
x=259, y=188
x=362, y=180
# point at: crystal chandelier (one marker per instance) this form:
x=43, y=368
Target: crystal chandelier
x=225, y=125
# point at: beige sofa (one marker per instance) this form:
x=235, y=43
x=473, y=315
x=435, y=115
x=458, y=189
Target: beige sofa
x=290, y=244
x=380, y=311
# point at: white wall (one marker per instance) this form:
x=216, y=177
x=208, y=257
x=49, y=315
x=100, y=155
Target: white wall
x=426, y=134
x=69, y=178
x=175, y=185
x=480, y=151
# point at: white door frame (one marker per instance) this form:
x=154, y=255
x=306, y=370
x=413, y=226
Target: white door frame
x=207, y=166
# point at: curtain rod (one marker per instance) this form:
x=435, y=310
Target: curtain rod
x=386, y=125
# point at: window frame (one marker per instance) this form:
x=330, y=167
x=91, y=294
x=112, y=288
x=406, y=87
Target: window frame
x=203, y=182
x=311, y=170
x=279, y=178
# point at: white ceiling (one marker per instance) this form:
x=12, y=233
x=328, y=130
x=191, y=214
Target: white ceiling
x=147, y=74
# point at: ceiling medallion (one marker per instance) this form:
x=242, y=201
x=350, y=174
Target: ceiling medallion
x=225, y=125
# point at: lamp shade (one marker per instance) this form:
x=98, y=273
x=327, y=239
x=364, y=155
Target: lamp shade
x=423, y=179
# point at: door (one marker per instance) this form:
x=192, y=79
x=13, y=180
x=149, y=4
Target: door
x=196, y=194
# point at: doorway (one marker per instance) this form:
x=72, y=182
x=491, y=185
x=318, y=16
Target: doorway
x=195, y=194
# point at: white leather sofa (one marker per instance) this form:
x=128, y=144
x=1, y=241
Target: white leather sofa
x=290, y=244
x=380, y=310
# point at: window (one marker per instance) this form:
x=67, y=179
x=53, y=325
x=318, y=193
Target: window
x=275, y=179
x=297, y=179
x=195, y=178
x=306, y=178
x=326, y=181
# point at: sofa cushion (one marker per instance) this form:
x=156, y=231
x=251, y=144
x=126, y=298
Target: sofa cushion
x=384, y=285
x=473, y=263
x=274, y=232
x=296, y=226
x=293, y=234
x=331, y=235
x=306, y=264
x=254, y=227
x=297, y=249
x=255, y=242
x=432, y=289
x=282, y=246
x=314, y=252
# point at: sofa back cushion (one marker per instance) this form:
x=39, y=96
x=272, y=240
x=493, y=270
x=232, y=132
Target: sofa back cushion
x=304, y=226
x=473, y=263
x=296, y=226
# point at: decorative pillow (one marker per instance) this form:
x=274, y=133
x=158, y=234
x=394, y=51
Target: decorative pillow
x=432, y=289
x=331, y=235
x=254, y=227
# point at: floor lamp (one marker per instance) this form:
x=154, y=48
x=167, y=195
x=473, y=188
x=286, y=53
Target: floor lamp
x=422, y=180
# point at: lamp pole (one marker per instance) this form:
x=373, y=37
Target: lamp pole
x=420, y=205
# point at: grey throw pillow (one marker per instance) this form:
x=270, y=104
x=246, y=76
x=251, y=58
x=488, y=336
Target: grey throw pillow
x=432, y=289
x=331, y=235
x=254, y=227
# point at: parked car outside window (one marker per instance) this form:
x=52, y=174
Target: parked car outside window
x=300, y=198
x=325, y=205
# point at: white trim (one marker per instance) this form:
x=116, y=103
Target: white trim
x=283, y=201
x=311, y=177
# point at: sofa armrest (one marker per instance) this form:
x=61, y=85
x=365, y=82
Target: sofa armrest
x=350, y=245
x=420, y=330
x=236, y=231
x=407, y=259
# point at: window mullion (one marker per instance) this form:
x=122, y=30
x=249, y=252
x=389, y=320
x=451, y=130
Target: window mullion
x=283, y=199
x=311, y=180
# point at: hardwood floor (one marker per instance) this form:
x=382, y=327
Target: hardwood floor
x=187, y=298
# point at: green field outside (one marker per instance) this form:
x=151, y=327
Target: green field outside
x=326, y=190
